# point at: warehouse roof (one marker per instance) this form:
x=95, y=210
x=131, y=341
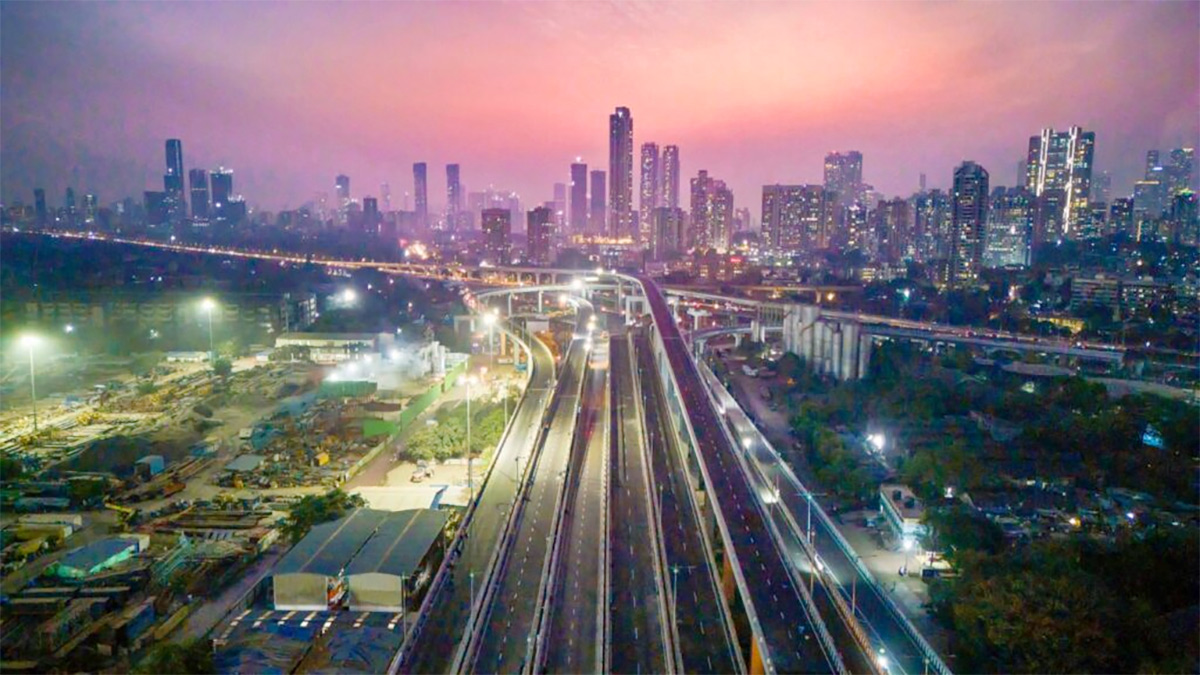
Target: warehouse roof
x=400, y=543
x=245, y=463
x=86, y=557
x=330, y=547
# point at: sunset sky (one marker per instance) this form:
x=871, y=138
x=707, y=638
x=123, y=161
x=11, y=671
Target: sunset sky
x=290, y=94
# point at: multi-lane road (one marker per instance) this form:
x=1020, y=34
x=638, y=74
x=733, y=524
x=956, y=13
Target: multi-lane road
x=778, y=610
x=446, y=621
x=576, y=613
x=504, y=639
x=706, y=644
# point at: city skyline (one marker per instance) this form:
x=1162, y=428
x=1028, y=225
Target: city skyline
x=287, y=126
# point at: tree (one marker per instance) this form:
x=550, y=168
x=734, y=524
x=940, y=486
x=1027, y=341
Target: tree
x=958, y=530
x=11, y=468
x=316, y=509
x=222, y=367
x=194, y=657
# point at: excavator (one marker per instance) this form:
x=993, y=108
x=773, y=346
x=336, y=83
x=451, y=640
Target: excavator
x=126, y=516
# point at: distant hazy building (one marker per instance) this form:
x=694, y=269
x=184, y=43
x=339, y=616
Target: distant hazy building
x=797, y=218
x=222, y=191
x=598, y=213
x=969, y=202
x=620, y=174
x=176, y=205
x=198, y=182
x=843, y=174
x=1058, y=172
x=670, y=177
x=454, y=196
x=711, y=221
x=578, y=203
x=421, y=195
x=1009, y=227
x=497, y=230
x=341, y=186
x=1180, y=170
x=156, y=207
x=39, y=206
x=539, y=235
x=649, y=194
x=668, y=232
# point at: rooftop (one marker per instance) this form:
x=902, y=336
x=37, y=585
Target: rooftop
x=86, y=557
x=400, y=543
x=245, y=463
x=330, y=547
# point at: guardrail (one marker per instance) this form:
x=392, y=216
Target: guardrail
x=443, y=572
x=931, y=657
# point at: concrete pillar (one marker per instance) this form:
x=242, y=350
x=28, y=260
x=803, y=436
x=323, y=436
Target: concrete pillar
x=540, y=302
x=756, y=660
x=737, y=340
x=510, y=297
x=728, y=582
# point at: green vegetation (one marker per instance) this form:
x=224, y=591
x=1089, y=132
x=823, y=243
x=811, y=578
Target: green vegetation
x=1076, y=606
x=317, y=509
x=193, y=657
x=222, y=367
x=11, y=468
x=448, y=439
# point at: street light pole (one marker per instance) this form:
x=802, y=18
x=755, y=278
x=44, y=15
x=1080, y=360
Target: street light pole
x=31, y=341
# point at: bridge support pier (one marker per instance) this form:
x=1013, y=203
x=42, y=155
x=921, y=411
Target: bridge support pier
x=539, y=302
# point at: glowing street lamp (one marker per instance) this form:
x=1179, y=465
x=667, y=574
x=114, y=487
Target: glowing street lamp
x=467, y=382
x=30, y=341
x=209, y=305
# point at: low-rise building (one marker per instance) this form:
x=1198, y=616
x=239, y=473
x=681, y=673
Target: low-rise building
x=902, y=511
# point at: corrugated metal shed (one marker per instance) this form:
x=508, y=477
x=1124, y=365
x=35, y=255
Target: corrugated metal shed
x=330, y=547
x=245, y=463
x=400, y=543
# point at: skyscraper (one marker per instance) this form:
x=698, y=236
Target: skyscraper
x=176, y=205
x=539, y=234
x=578, y=205
x=598, y=214
x=670, y=177
x=843, y=175
x=711, y=224
x=198, y=184
x=797, y=218
x=453, y=196
x=39, y=206
x=1058, y=172
x=421, y=195
x=969, y=204
x=497, y=227
x=222, y=191
x=1180, y=170
x=649, y=195
x=341, y=185
x=620, y=174
x=892, y=231
x=370, y=218
x=1009, y=228
x=560, y=204
x=385, y=193
x=668, y=224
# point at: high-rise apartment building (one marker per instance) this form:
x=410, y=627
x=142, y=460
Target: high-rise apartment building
x=198, y=184
x=560, y=205
x=843, y=175
x=1009, y=227
x=578, y=204
x=497, y=229
x=175, y=203
x=39, y=206
x=797, y=218
x=341, y=186
x=1058, y=172
x=1180, y=170
x=649, y=195
x=421, y=195
x=370, y=218
x=620, y=174
x=539, y=235
x=385, y=195
x=711, y=220
x=670, y=177
x=598, y=214
x=221, y=180
x=668, y=232
x=454, y=196
x=969, y=212
x=892, y=233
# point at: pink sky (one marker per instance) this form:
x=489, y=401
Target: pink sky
x=290, y=94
